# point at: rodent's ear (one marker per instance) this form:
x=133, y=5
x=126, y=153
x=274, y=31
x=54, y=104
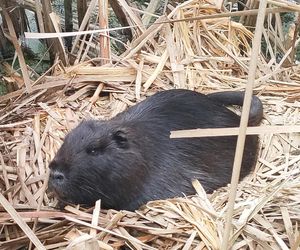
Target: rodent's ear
x=120, y=137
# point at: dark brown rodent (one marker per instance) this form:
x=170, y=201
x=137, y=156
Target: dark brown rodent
x=131, y=159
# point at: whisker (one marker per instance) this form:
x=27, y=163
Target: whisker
x=90, y=189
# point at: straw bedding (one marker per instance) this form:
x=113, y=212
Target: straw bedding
x=205, y=55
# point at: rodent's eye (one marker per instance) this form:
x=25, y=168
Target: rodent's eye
x=94, y=150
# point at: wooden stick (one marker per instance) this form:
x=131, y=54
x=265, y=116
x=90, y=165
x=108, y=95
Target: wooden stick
x=17, y=218
x=96, y=94
x=227, y=14
x=14, y=40
x=104, y=37
x=295, y=38
x=60, y=44
x=83, y=24
x=211, y=132
x=40, y=202
x=5, y=177
x=55, y=48
x=34, y=35
x=121, y=15
x=95, y=219
x=285, y=4
x=152, y=6
x=244, y=121
x=38, y=8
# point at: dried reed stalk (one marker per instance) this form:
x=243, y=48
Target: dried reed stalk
x=204, y=54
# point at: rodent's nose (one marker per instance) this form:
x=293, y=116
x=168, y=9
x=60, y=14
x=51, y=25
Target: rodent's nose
x=57, y=177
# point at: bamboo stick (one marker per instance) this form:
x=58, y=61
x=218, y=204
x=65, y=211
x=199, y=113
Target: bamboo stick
x=14, y=40
x=39, y=16
x=244, y=121
x=18, y=219
x=31, y=35
x=40, y=202
x=84, y=23
x=81, y=10
x=211, y=132
x=104, y=37
x=152, y=6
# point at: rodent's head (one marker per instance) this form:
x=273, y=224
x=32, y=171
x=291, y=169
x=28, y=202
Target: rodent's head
x=97, y=160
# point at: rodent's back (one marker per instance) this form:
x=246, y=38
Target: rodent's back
x=180, y=108
x=208, y=159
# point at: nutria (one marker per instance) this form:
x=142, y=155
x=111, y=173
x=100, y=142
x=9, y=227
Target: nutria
x=130, y=159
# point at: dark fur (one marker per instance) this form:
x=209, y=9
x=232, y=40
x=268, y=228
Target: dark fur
x=130, y=159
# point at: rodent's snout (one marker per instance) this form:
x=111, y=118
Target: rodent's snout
x=56, y=183
x=57, y=176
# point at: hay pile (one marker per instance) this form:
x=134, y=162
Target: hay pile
x=204, y=55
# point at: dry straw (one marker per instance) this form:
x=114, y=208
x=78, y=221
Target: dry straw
x=204, y=54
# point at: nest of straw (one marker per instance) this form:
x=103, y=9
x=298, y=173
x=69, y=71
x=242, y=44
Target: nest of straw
x=204, y=55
